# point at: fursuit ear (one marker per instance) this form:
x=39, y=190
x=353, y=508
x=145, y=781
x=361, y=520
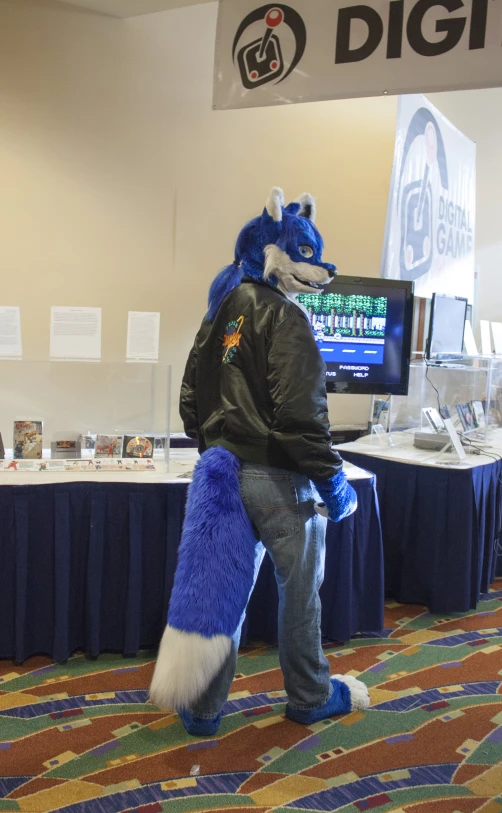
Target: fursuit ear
x=275, y=204
x=293, y=209
x=307, y=207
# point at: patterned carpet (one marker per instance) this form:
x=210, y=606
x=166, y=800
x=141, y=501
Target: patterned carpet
x=82, y=738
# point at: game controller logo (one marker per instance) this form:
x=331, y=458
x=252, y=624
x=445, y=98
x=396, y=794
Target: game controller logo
x=264, y=59
x=418, y=198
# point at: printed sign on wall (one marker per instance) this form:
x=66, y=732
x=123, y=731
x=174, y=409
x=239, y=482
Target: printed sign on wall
x=431, y=217
x=310, y=50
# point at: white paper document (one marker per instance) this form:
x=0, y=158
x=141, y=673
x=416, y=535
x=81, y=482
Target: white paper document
x=10, y=333
x=497, y=337
x=143, y=330
x=469, y=340
x=486, y=342
x=76, y=334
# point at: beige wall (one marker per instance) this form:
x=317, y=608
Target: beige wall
x=122, y=188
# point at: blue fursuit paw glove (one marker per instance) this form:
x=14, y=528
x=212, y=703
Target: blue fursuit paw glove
x=338, y=495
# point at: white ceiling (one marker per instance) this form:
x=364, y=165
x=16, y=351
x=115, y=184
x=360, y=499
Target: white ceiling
x=131, y=8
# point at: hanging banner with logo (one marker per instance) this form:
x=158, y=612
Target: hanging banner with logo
x=310, y=50
x=431, y=217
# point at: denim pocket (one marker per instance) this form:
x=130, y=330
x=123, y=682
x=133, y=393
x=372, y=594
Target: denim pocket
x=271, y=503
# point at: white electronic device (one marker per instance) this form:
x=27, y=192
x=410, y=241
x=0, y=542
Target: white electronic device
x=439, y=441
x=434, y=418
x=431, y=440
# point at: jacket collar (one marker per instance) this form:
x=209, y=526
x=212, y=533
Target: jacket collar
x=253, y=281
x=262, y=282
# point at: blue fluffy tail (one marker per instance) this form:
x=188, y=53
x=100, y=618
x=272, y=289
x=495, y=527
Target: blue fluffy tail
x=212, y=583
x=216, y=556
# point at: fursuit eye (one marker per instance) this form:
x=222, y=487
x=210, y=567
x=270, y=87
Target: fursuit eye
x=306, y=251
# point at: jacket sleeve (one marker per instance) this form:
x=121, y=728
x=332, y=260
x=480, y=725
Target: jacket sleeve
x=297, y=386
x=188, y=397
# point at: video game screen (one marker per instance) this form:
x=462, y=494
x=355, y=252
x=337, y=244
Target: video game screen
x=360, y=331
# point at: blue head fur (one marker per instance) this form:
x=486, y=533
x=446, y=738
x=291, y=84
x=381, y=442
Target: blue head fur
x=281, y=247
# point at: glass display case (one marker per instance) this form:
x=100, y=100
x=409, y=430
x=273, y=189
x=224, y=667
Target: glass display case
x=495, y=408
x=460, y=388
x=73, y=416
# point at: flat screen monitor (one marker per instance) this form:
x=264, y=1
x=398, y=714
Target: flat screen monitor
x=363, y=327
x=447, y=326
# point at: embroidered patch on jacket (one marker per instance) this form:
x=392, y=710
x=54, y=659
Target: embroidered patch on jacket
x=232, y=339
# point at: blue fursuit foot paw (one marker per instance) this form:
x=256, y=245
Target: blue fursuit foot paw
x=199, y=726
x=348, y=695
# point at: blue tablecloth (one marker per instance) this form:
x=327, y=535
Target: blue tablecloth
x=182, y=443
x=441, y=530
x=90, y=567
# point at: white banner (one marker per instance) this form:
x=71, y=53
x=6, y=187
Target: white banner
x=431, y=217
x=309, y=50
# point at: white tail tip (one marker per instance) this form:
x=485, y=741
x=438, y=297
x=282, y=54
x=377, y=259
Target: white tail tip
x=186, y=665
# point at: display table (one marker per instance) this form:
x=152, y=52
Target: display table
x=87, y=563
x=441, y=521
x=178, y=440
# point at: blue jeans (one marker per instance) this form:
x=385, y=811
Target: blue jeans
x=280, y=506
